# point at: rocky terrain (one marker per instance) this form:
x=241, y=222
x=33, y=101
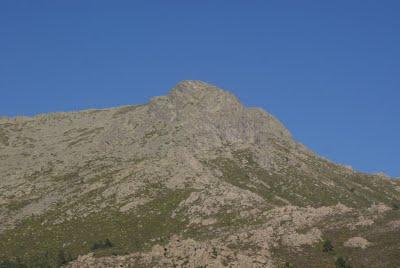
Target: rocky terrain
x=191, y=179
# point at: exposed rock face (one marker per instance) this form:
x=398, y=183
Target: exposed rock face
x=193, y=173
x=357, y=242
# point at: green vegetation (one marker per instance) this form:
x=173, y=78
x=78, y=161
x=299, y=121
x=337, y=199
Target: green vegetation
x=44, y=261
x=63, y=258
x=3, y=137
x=342, y=262
x=16, y=205
x=52, y=244
x=102, y=245
x=298, y=186
x=286, y=265
x=11, y=264
x=327, y=246
x=383, y=251
x=249, y=176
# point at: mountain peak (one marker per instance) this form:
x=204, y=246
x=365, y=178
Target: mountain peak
x=195, y=88
x=197, y=92
x=192, y=84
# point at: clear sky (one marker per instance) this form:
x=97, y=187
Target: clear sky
x=329, y=70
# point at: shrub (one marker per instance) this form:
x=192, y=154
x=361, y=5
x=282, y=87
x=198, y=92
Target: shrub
x=214, y=252
x=10, y=264
x=327, y=246
x=102, y=245
x=61, y=258
x=288, y=265
x=27, y=264
x=342, y=263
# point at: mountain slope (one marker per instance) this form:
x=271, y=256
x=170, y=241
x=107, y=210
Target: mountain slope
x=192, y=178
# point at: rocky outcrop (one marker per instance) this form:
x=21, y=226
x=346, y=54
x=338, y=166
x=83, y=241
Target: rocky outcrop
x=357, y=242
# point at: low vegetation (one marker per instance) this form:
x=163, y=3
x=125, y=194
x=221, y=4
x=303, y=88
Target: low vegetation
x=34, y=241
x=3, y=138
x=298, y=187
x=327, y=246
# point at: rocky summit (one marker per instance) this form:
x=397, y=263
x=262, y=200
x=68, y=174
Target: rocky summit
x=191, y=179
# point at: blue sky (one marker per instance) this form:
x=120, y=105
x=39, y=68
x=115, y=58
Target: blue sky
x=329, y=70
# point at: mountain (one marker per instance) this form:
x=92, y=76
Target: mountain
x=191, y=179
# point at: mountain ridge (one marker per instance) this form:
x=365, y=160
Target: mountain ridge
x=187, y=170
x=182, y=86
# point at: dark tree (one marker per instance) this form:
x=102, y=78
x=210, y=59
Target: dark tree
x=327, y=246
x=61, y=258
x=102, y=245
x=108, y=243
x=342, y=263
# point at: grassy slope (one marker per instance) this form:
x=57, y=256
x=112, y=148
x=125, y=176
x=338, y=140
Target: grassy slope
x=151, y=223
x=303, y=189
